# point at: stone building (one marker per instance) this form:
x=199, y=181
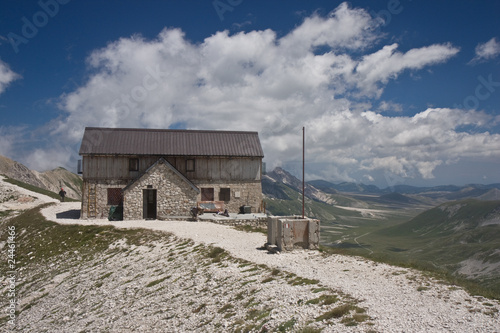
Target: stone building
x=156, y=173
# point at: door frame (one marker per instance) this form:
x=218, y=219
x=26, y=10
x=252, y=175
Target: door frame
x=149, y=204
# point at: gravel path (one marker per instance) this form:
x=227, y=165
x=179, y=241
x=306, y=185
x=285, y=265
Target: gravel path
x=398, y=299
x=15, y=198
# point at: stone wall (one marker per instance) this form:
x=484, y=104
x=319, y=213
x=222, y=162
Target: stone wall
x=101, y=190
x=289, y=232
x=175, y=196
x=248, y=193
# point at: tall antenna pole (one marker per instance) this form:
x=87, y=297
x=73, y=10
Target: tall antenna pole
x=303, y=168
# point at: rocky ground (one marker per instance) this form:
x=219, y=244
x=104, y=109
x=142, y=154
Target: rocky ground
x=200, y=276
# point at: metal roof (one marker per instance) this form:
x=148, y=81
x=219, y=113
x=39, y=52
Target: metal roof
x=166, y=142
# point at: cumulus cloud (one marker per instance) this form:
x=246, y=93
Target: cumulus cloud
x=385, y=106
x=377, y=68
x=6, y=76
x=258, y=81
x=486, y=51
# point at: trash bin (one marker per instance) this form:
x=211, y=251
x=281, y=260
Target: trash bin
x=245, y=209
x=115, y=213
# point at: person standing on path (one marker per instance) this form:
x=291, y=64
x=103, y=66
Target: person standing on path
x=62, y=193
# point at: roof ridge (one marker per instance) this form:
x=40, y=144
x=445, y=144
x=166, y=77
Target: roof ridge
x=166, y=130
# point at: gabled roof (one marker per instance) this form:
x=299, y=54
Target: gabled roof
x=168, y=165
x=163, y=142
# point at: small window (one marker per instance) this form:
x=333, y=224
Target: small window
x=190, y=165
x=115, y=197
x=207, y=194
x=133, y=164
x=225, y=194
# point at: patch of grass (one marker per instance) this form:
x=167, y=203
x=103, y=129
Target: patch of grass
x=6, y=213
x=309, y=329
x=155, y=282
x=199, y=308
x=300, y=281
x=337, y=312
x=240, y=296
x=288, y=325
x=355, y=319
x=247, y=282
x=217, y=253
x=256, y=315
x=269, y=279
x=318, y=290
x=253, y=269
x=225, y=308
x=324, y=300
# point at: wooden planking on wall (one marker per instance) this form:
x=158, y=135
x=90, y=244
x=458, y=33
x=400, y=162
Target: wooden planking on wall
x=117, y=167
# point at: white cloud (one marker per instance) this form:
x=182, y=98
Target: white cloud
x=377, y=68
x=486, y=51
x=385, y=106
x=6, y=76
x=257, y=81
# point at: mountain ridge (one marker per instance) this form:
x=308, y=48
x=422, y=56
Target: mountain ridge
x=51, y=180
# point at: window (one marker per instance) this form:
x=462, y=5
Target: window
x=190, y=165
x=133, y=164
x=207, y=194
x=115, y=197
x=224, y=194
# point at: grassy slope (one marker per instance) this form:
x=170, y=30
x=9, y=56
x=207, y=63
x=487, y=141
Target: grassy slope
x=46, y=249
x=36, y=189
x=439, y=239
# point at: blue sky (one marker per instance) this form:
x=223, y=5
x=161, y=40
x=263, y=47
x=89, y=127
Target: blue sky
x=390, y=92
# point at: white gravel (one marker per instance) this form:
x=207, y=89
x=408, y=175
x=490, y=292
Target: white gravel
x=398, y=299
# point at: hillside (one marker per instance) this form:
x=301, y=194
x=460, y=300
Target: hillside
x=411, y=226
x=461, y=238
x=51, y=180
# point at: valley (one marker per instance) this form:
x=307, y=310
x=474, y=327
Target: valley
x=448, y=230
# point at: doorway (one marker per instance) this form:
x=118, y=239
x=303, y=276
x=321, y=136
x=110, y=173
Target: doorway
x=149, y=204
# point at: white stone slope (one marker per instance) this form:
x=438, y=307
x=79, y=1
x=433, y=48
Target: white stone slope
x=397, y=299
x=15, y=198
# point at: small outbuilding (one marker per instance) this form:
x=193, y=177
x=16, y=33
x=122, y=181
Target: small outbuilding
x=162, y=173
